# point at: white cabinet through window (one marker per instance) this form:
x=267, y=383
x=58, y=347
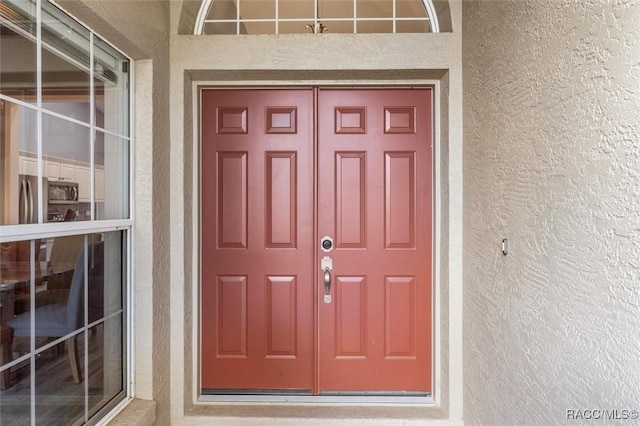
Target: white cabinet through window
x=83, y=177
x=28, y=166
x=55, y=170
x=99, y=184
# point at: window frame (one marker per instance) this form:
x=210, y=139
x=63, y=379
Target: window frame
x=44, y=230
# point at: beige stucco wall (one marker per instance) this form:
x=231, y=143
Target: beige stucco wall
x=552, y=160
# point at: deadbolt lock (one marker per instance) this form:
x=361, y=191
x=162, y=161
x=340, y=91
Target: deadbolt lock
x=326, y=244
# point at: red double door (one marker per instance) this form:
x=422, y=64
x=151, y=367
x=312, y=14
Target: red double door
x=285, y=172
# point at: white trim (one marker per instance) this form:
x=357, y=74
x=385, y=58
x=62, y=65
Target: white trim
x=202, y=15
x=32, y=329
x=85, y=325
x=395, y=18
x=434, y=400
x=195, y=260
x=60, y=229
x=115, y=411
x=433, y=16
x=92, y=136
x=437, y=245
x=205, y=6
x=355, y=17
x=39, y=68
x=323, y=20
x=129, y=311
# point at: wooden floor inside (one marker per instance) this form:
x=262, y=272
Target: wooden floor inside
x=58, y=400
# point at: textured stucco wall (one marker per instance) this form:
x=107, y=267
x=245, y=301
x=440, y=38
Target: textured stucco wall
x=141, y=30
x=552, y=162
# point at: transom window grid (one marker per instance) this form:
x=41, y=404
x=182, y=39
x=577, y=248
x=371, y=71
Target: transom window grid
x=315, y=16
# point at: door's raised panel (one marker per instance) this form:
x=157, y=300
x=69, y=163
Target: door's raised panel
x=400, y=206
x=232, y=200
x=351, y=317
x=281, y=120
x=350, y=120
x=400, y=317
x=281, y=317
x=281, y=208
x=399, y=120
x=350, y=199
x=231, y=308
x=233, y=120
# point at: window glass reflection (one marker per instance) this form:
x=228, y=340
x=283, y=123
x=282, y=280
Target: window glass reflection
x=111, y=86
x=112, y=166
x=18, y=49
x=374, y=9
x=62, y=319
x=15, y=397
x=374, y=27
x=258, y=9
x=59, y=399
x=65, y=339
x=223, y=9
x=412, y=27
x=19, y=189
x=299, y=9
x=15, y=298
x=105, y=371
x=335, y=9
x=410, y=9
x=65, y=61
x=66, y=148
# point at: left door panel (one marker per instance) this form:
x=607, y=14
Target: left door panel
x=256, y=248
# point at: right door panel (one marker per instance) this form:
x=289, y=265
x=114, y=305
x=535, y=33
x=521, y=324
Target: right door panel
x=375, y=201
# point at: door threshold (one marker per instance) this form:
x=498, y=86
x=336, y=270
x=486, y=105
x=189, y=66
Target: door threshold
x=257, y=392
x=361, y=399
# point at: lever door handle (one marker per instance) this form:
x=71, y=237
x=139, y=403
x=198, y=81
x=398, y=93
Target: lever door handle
x=326, y=265
x=327, y=285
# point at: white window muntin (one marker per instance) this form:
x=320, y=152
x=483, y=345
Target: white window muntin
x=201, y=19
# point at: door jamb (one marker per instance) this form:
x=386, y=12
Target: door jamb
x=432, y=400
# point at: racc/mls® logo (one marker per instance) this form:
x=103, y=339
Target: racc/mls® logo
x=600, y=414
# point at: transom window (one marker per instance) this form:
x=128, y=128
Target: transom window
x=315, y=16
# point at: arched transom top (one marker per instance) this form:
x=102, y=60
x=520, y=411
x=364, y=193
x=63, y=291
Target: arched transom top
x=315, y=16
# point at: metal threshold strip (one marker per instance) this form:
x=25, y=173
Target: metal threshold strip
x=304, y=396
